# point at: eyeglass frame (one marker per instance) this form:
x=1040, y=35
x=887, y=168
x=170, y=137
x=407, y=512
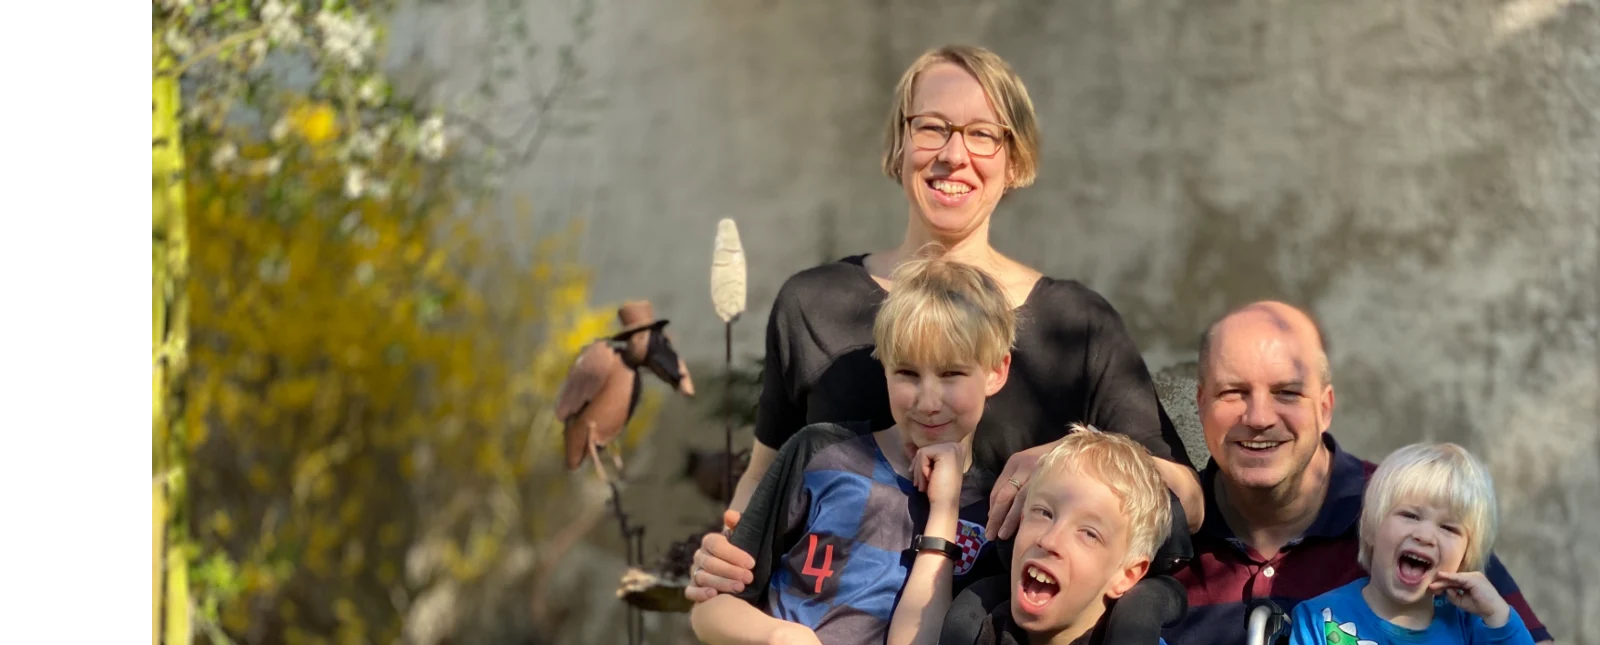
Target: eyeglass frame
x=953, y=129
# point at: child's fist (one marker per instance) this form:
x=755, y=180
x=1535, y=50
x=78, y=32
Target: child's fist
x=937, y=470
x=1473, y=593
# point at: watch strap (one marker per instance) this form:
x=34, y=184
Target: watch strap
x=929, y=543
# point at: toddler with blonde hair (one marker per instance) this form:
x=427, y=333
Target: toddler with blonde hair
x=1428, y=522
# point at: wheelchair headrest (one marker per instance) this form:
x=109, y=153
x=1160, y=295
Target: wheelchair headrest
x=1177, y=551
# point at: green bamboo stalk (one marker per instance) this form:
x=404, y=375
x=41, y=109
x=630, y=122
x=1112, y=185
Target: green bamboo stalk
x=159, y=504
x=169, y=346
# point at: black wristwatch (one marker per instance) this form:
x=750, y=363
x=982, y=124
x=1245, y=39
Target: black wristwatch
x=929, y=543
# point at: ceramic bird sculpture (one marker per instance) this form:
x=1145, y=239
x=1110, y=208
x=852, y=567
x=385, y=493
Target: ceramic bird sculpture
x=602, y=388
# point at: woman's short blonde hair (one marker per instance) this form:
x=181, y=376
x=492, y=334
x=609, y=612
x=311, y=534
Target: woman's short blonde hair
x=1439, y=474
x=943, y=312
x=1125, y=467
x=1007, y=95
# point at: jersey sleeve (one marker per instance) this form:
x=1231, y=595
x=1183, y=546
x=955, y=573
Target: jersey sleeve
x=770, y=524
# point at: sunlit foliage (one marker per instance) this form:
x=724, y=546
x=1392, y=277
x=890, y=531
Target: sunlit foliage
x=353, y=364
x=365, y=385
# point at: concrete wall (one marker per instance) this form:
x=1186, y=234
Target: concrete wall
x=1424, y=176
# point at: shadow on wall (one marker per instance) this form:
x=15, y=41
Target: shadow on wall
x=1175, y=386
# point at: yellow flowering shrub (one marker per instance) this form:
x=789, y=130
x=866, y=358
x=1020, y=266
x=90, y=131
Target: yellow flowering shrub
x=369, y=388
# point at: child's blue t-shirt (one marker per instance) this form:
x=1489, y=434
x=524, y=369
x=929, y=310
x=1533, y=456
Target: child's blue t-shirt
x=1342, y=617
x=830, y=527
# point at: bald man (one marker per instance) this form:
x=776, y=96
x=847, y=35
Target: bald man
x=1282, y=500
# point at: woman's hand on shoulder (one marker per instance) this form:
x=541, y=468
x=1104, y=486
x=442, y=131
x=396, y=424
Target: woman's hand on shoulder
x=1004, y=511
x=719, y=566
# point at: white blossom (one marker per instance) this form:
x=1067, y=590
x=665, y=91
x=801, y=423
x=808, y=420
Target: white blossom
x=430, y=138
x=272, y=165
x=355, y=182
x=224, y=155
x=258, y=51
x=180, y=44
x=344, y=38
x=365, y=143
x=280, y=129
x=378, y=188
x=371, y=91
x=279, y=20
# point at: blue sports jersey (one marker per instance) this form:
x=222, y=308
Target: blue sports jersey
x=830, y=528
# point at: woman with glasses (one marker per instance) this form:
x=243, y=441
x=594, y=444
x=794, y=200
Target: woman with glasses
x=960, y=134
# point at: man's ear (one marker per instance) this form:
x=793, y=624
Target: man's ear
x=998, y=376
x=1325, y=402
x=1127, y=577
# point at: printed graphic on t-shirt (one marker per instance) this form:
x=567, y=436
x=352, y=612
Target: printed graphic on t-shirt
x=1338, y=633
x=969, y=536
x=818, y=559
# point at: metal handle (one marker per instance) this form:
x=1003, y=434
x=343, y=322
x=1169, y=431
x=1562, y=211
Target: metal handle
x=1257, y=633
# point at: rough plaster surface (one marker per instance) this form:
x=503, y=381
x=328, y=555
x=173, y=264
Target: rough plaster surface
x=1424, y=176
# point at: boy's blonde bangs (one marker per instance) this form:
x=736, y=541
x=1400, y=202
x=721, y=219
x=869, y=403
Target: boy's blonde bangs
x=943, y=313
x=938, y=332
x=1127, y=469
x=1444, y=475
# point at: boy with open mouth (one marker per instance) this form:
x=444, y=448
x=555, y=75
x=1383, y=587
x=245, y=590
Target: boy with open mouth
x=1094, y=514
x=1427, y=526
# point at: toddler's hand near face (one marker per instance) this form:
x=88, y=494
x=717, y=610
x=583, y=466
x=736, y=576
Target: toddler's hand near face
x=1473, y=593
